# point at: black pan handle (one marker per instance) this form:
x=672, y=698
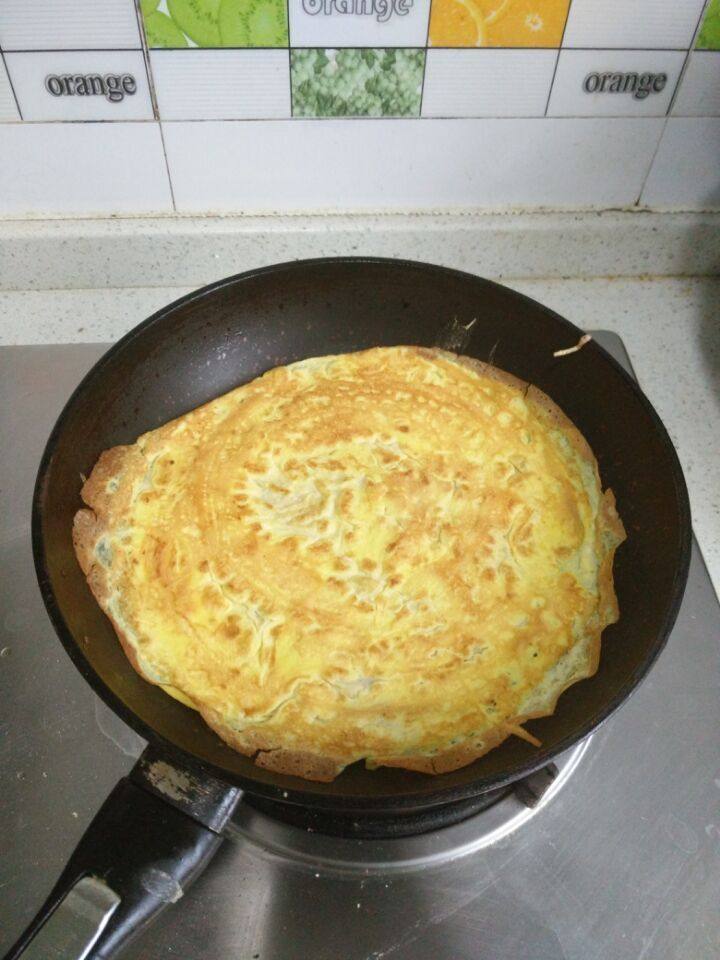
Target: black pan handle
x=152, y=837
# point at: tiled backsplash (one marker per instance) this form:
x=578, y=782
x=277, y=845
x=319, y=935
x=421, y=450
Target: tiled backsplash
x=287, y=105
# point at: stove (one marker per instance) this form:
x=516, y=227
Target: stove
x=416, y=840
x=611, y=852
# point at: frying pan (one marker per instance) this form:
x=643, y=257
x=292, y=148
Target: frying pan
x=161, y=825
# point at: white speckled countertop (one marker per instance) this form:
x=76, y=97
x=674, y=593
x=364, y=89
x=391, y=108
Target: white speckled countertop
x=670, y=325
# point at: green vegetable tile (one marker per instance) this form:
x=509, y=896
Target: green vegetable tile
x=253, y=23
x=162, y=31
x=215, y=23
x=356, y=83
x=709, y=36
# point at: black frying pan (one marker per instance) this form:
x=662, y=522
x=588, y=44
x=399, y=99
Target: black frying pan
x=226, y=334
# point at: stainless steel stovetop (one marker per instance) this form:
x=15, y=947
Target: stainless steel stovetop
x=621, y=858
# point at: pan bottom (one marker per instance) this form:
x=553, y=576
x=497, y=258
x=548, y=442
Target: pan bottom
x=376, y=826
x=525, y=795
x=300, y=837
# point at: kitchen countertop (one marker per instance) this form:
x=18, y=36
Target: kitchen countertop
x=669, y=325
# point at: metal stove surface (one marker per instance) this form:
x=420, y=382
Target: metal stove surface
x=620, y=859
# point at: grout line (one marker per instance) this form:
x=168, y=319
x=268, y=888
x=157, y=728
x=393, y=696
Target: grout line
x=284, y=119
x=688, y=53
x=12, y=86
x=167, y=166
x=303, y=46
x=425, y=61
x=557, y=58
x=672, y=101
x=146, y=58
x=652, y=161
x=426, y=48
x=153, y=98
x=411, y=46
x=289, y=50
x=321, y=216
x=73, y=50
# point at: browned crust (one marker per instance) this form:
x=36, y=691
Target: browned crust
x=445, y=761
x=309, y=766
x=247, y=742
x=254, y=743
x=532, y=393
x=110, y=466
x=477, y=366
x=90, y=524
x=460, y=756
x=85, y=535
x=613, y=526
x=560, y=420
x=610, y=523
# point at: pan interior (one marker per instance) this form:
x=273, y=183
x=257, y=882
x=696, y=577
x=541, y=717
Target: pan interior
x=231, y=332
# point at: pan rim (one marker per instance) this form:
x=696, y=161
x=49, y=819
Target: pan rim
x=292, y=789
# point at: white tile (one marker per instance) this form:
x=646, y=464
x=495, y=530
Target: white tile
x=615, y=83
x=221, y=84
x=699, y=93
x=686, y=173
x=343, y=165
x=8, y=107
x=484, y=83
x=388, y=23
x=632, y=23
x=104, y=78
x=68, y=24
x=82, y=168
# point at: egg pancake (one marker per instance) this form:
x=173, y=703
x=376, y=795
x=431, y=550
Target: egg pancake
x=397, y=555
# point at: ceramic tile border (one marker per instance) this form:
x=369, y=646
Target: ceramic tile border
x=67, y=254
x=572, y=27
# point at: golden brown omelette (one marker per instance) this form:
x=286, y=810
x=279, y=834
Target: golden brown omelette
x=397, y=555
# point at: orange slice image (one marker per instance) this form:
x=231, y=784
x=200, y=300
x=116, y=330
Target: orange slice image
x=497, y=23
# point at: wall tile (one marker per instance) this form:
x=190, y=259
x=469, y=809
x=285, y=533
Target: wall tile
x=570, y=99
x=68, y=24
x=8, y=107
x=709, y=34
x=646, y=24
x=82, y=168
x=699, y=93
x=686, y=172
x=527, y=23
x=487, y=83
x=483, y=82
x=344, y=82
x=221, y=84
x=406, y=25
x=212, y=24
x=408, y=164
x=29, y=73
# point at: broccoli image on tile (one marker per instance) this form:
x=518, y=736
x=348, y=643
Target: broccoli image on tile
x=709, y=36
x=215, y=23
x=357, y=83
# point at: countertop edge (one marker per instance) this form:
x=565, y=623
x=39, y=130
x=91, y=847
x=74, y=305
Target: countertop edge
x=192, y=251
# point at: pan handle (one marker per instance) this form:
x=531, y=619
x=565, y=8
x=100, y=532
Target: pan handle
x=141, y=852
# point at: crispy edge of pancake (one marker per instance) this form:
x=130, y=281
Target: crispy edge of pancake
x=91, y=523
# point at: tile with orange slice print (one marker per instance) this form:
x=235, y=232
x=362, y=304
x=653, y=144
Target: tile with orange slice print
x=497, y=23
